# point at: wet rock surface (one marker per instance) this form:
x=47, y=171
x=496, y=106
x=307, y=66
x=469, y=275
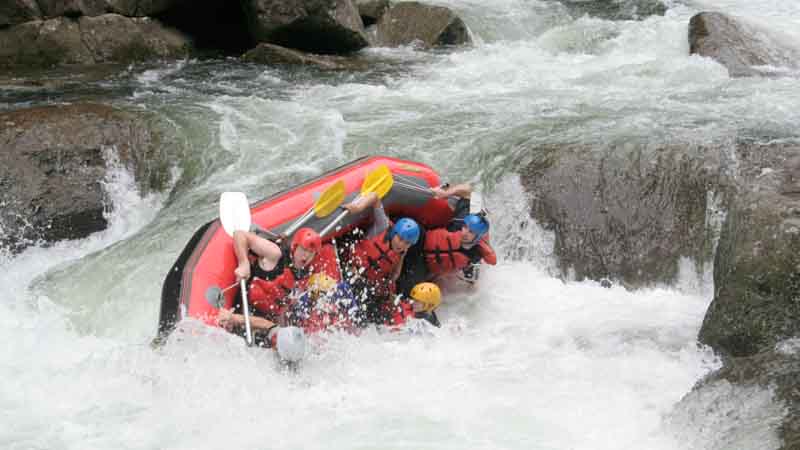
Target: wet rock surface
x=54, y=161
x=413, y=23
x=757, y=266
x=89, y=40
x=628, y=212
x=742, y=48
x=277, y=55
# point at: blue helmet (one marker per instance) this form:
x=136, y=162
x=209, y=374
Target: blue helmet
x=407, y=229
x=477, y=224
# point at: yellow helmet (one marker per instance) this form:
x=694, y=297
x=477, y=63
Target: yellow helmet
x=320, y=283
x=428, y=294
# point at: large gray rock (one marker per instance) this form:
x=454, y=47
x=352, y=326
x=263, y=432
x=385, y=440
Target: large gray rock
x=114, y=38
x=742, y=48
x=277, y=55
x=616, y=9
x=89, y=40
x=53, y=161
x=625, y=212
x=413, y=23
x=13, y=12
x=757, y=267
x=316, y=26
x=630, y=213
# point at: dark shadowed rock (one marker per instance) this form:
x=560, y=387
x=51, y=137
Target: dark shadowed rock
x=616, y=9
x=72, y=8
x=89, y=40
x=757, y=267
x=408, y=23
x=371, y=10
x=13, y=12
x=276, y=55
x=316, y=26
x=627, y=213
x=76, y=8
x=53, y=161
x=741, y=48
x=137, y=8
x=775, y=370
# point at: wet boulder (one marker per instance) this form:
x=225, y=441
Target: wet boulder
x=277, y=55
x=626, y=212
x=54, y=161
x=744, y=49
x=316, y=26
x=13, y=12
x=89, y=40
x=757, y=266
x=426, y=26
x=616, y=9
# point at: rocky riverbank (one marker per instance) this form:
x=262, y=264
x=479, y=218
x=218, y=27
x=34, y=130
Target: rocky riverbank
x=629, y=212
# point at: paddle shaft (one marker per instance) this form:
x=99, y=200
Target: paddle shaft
x=414, y=187
x=246, y=309
x=335, y=222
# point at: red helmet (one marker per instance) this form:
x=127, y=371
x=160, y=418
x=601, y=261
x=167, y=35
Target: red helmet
x=308, y=239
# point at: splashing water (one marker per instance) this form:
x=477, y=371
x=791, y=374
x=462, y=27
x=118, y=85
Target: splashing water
x=526, y=360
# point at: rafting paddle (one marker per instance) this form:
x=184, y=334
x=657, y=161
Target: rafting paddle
x=379, y=181
x=330, y=199
x=234, y=213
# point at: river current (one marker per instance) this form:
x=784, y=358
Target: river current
x=525, y=361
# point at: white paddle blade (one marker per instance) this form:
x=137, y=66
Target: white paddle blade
x=234, y=212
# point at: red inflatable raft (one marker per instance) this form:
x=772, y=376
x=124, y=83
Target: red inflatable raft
x=207, y=263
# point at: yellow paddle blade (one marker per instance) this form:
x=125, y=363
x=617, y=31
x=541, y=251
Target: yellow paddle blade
x=330, y=199
x=379, y=181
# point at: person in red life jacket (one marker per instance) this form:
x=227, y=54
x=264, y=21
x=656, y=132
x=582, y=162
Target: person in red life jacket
x=271, y=276
x=460, y=246
x=420, y=304
x=450, y=251
x=326, y=304
x=376, y=260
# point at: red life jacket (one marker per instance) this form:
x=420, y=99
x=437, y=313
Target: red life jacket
x=444, y=254
x=377, y=258
x=269, y=290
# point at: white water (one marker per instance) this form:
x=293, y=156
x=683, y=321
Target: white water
x=527, y=361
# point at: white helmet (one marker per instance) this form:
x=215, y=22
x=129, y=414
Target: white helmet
x=291, y=344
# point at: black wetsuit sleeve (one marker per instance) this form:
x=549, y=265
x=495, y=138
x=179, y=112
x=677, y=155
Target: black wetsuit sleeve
x=460, y=210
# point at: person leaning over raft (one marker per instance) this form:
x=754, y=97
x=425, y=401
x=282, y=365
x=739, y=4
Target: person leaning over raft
x=460, y=246
x=375, y=261
x=326, y=304
x=421, y=303
x=271, y=277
